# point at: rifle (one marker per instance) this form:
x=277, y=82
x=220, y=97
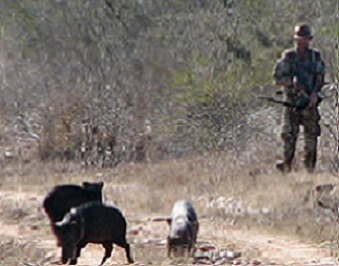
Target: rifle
x=300, y=104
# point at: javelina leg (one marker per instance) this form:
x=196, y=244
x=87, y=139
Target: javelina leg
x=73, y=261
x=188, y=253
x=57, y=234
x=189, y=250
x=74, y=258
x=65, y=255
x=108, y=251
x=64, y=260
x=168, y=247
x=196, y=231
x=79, y=247
x=78, y=252
x=128, y=254
x=122, y=243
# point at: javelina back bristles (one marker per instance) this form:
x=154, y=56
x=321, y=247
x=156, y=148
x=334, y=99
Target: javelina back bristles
x=184, y=227
x=93, y=223
x=62, y=198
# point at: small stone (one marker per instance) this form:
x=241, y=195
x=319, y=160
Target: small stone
x=237, y=262
x=231, y=255
x=265, y=211
x=202, y=255
x=220, y=261
x=34, y=227
x=256, y=262
x=134, y=232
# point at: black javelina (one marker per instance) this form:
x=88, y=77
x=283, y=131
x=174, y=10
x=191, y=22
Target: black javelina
x=92, y=223
x=62, y=198
x=184, y=227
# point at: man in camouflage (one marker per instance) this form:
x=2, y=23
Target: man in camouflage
x=300, y=71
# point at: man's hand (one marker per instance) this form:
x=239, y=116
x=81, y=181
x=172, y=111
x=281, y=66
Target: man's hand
x=297, y=86
x=313, y=99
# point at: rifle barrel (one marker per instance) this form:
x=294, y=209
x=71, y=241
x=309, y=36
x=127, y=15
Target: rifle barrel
x=272, y=99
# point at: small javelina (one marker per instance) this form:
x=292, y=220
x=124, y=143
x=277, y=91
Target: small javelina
x=62, y=198
x=184, y=227
x=92, y=223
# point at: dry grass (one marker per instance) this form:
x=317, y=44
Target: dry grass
x=23, y=251
x=150, y=190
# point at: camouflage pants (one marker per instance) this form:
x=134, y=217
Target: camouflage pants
x=309, y=119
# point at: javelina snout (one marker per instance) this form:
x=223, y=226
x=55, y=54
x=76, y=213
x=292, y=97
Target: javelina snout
x=93, y=223
x=184, y=228
x=70, y=229
x=62, y=198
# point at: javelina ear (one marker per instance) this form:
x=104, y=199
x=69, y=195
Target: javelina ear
x=85, y=184
x=169, y=221
x=101, y=184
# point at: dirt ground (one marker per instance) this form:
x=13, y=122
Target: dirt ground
x=26, y=238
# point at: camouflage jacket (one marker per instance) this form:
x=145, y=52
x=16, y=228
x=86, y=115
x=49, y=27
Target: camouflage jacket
x=309, y=70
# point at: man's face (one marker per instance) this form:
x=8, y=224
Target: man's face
x=302, y=43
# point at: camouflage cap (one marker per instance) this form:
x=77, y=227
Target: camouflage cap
x=302, y=31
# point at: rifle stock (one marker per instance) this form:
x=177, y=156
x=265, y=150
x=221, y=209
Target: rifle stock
x=300, y=104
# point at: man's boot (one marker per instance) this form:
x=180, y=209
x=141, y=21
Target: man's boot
x=310, y=158
x=290, y=140
x=284, y=167
x=310, y=162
